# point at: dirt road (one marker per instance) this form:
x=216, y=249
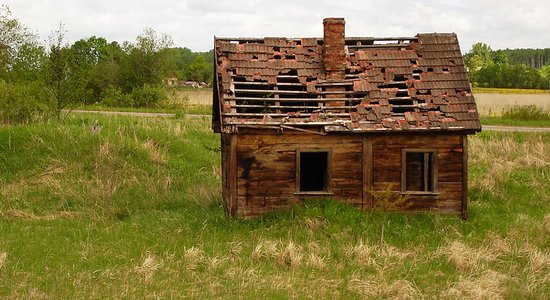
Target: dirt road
x=134, y=114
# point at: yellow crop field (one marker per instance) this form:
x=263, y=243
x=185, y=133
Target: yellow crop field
x=494, y=104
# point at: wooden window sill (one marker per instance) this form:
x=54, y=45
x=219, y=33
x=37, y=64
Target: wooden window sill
x=320, y=193
x=419, y=193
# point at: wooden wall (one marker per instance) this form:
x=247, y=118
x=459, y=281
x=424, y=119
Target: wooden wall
x=449, y=149
x=259, y=170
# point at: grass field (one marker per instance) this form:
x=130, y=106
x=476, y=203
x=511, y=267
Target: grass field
x=497, y=120
x=494, y=104
x=134, y=211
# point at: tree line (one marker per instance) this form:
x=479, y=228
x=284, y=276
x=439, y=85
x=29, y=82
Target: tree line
x=534, y=58
x=38, y=79
x=521, y=68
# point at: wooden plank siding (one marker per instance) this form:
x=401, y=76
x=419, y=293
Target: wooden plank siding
x=260, y=169
x=387, y=164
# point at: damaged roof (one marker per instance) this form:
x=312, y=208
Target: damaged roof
x=390, y=84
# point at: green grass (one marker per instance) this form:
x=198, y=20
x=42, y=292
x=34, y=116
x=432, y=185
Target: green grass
x=480, y=90
x=134, y=211
x=526, y=115
x=495, y=120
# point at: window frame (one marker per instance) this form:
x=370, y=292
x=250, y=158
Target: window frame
x=328, y=188
x=432, y=163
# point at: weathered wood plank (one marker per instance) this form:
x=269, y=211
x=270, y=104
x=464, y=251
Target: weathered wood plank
x=464, y=206
x=233, y=174
x=265, y=170
x=303, y=139
x=367, y=175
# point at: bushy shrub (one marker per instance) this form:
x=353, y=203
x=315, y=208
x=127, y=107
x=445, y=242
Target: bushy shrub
x=526, y=113
x=24, y=102
x=115, y=97
x=148, y=96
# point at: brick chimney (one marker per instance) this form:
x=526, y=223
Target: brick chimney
x=334, y=55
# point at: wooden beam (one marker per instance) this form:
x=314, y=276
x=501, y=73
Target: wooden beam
x=367, y=172
x=292, y=99
x=319, y=39
x=356, y=47
x=426, y=178
x=288, y=107
x=270, y=91
x=233, y=175
x=303, y=130
x=260, y=83
x=464, y=208
x=301, y=115
x=288, y=92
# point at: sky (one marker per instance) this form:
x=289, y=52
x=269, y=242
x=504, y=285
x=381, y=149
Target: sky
x=193, y=23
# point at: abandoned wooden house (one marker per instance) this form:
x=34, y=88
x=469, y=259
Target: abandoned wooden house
x=340, y=117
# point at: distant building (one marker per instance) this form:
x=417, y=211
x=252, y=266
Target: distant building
x=338, y=118
x=175, y=82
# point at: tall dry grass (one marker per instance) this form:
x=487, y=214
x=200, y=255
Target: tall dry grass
x=502, y=154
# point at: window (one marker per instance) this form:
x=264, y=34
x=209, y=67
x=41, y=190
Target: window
x=313, y=171
x=418, y=172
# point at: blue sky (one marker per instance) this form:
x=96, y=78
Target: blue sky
x=193, y=23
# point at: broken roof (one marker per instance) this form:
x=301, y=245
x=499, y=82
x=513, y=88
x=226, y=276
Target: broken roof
x=390, y=84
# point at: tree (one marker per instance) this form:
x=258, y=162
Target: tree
x=545, y=73
x=499, y=57
x=479, y=57
x=105, y=74
x=187, y=65
x=94, y=64
x=17, y=41
x=145, y=61
x=61, y=74
x=200, y=70
x=28, y=64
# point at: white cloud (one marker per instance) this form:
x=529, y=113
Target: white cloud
x=193, y=23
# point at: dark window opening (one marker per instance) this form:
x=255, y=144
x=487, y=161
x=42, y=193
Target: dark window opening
x=419, y=171
x=402, y=93
x=399, y=78
x=401, y=101
x=402, y=110
x=416, y=74
x=290, y=56
x=313, y=171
